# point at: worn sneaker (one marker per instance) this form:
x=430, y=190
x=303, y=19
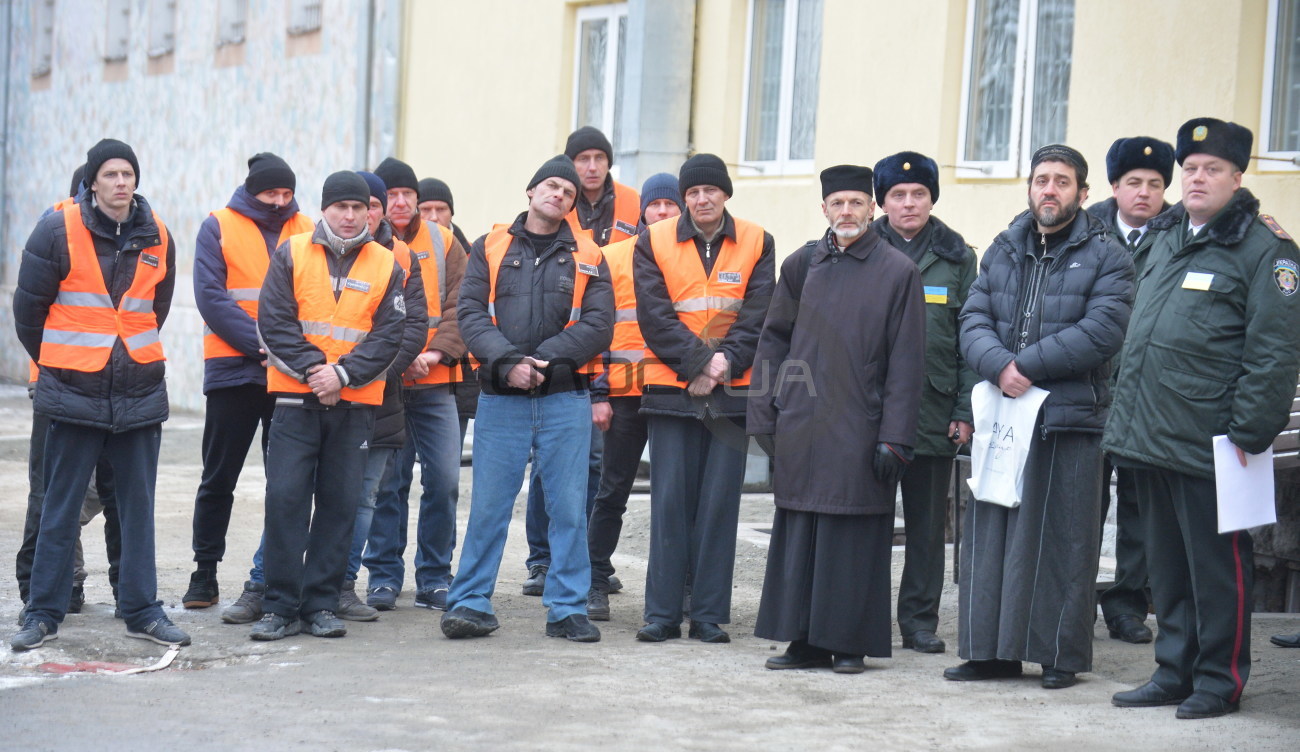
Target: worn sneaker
x=434, y=597
x=597, y=605
x=466, y=622
x=275, y=627
x=22, y=616
x=351, y=607
x=203, y=590
x=536, y=582
x=383, y=597
x=248, y=608
x=574, y=628
x=324, y=623
x=162, y=631
x=77, y=600
x=34, y=634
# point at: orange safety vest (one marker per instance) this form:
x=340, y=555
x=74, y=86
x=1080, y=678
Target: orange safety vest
x=627, y=213
x=82, y=325
x=627, y=350
x=431, y=248
x=64, y=203
x=707, y=305
x=244, y=249
x=586, y=264
x=336, y=326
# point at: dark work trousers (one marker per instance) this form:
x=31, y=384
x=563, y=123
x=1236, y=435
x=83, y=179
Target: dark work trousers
x=104, y=489
x=925, y=506
x=1128, y=594
x=318, y=453
x=697, y=468
x=1200, y=583
x=624, y=442
x=233, y=415
x=71, y=452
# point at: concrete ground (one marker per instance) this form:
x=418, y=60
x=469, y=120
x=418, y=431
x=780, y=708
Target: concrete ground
x=398, y=684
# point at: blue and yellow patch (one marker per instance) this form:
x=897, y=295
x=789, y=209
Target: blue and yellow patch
x=936, y=295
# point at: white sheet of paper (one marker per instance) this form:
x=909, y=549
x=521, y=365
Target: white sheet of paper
x=1245, y=494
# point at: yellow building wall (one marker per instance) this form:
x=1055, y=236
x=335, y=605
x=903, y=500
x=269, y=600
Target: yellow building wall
x=488, y=97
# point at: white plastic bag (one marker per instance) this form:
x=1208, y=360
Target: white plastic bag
x=1004, y=428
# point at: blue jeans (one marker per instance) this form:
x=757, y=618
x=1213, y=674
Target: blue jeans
x=556, y=431
x=535, y=520
x=379, y=464
x=71, y=452
x=432, y=433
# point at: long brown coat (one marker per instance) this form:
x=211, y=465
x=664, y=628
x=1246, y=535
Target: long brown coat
x=839, y=368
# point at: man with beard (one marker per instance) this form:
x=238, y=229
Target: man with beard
x=1049, y=308
x=1139, y=170
x=907, y=187
x=1212, y=353
x=845, y=342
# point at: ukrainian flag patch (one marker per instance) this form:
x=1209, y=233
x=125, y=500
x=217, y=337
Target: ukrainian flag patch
x=936, y=295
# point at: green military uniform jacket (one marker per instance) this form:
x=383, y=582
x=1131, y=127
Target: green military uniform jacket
x=1214, y=343
x=948, y=267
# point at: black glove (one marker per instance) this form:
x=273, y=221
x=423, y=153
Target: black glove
x=766, y=442
x=891, y=461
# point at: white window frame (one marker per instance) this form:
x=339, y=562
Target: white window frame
x=782, y=165
x=610, y=13
x=117, y=31
x=1022, y=100
x=43, y=47
x=232, y=22
x=305, y=16
x=1279, y=161
x=162, y=28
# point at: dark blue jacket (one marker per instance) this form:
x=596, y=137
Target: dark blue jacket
x=220, y=312
x=124, y=395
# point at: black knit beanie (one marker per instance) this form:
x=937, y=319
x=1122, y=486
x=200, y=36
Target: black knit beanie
x=1061, y=153
x=267, y=171
x=78, y=175
x=106, y=149
x=558, y=166
x=397, y=174
x=704, y=169
x=433, y=189
x=586, y=138
x=344, y=185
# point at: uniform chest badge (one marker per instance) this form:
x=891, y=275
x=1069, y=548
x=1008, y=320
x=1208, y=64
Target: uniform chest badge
x=356, y=284
x=729, y=278
x=1287, y=276
x=624, y=227
x=591, y=270
x=149, y=258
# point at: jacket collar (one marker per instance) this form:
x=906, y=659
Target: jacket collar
x=564, y=236
x=139, y=226
x=945, y=242
x=858, y=249
x=1108, y=210
x=323, y=235
x=1023, y=233
x=267, y=217
x=687, y=230
x=1229, y=227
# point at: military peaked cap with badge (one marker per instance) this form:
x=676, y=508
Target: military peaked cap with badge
x=1139, y=152
x=906, y=167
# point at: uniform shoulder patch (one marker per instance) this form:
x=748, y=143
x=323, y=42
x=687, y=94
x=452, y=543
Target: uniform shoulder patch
x=1274, y=227
x=1286, y=274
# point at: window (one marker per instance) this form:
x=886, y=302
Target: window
x=1280, y=116
x=118, y=37
x=598, y=69
x=1016, y=82
x=232, y=22
x=43, y=46
x=304, y=17
x=162, y=27
x=783, y=64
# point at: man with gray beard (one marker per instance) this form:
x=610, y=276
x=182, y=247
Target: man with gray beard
x=1049, y=309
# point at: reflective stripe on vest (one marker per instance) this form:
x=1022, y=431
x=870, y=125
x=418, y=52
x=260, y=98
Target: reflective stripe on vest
x=243, y=248
x=706, y=304
x=626, y=350
x=497, y=244
x=627, y=214
x=431, y=244
x=82, y=325
x=336, y=326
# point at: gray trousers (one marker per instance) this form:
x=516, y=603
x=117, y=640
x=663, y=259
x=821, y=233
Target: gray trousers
x=925, y=507
x=696, y=471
